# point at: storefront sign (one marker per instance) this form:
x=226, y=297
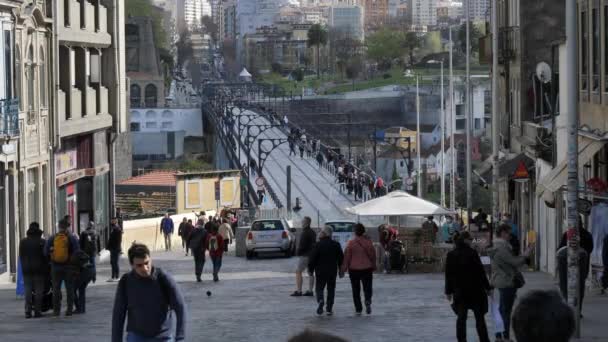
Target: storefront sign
x=75, y=175
x=65, y=161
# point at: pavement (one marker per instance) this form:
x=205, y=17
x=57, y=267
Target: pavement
x=252, y=303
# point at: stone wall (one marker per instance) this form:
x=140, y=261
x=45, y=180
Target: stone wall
x=123, y=157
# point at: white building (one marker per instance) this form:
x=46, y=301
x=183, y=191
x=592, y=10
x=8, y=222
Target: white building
x=481, y=102
x=422, y=13
x=193, y=12
x=479, y=10
x=151, y=120
x=347, y=18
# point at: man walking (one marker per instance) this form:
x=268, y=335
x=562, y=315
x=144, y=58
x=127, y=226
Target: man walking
x=114, y=245
x=34, y=266
x=60, y=248
x=184, y=231
x=325, y=260
x=196, y=242
x=214, y=243
x=90, y=244
x=148, y=297
x=308, y=238
x=467, y=287
x=166, y=228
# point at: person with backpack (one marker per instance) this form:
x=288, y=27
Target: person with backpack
x=84, y=272
x=166, y=228
x=148, y=298
x=325, y=261
x=34, y=267
x=114, y=245
x=196, y=243
x=360, y=263
x=59, y=249
x=90, y=244
x=214, y=243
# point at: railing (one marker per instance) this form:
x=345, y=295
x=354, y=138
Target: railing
x=9, y=117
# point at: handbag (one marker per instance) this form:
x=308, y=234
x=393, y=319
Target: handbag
x=518, y=280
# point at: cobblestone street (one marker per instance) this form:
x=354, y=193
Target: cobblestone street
x=252, y=303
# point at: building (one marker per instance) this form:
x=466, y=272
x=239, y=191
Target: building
x=157, y=120
x=91, y=118
x=193, y=13
x=11, y=118
x=208, y=190
x=376, y=13
x=479, y=10
x=422, y=13
x=481, y=107
x=147, y=194
x=348, y=18
x=528, y=133
x=147, y=89
x=228, y=27
x=449, y=12
x=201, y=47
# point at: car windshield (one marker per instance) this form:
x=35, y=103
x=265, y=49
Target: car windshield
x=341, y=227
x=267, y=225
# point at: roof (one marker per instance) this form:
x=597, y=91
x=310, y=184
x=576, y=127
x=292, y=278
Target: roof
x=205, y=173
x=153, y=178
x=244, y=73
x=393, y=152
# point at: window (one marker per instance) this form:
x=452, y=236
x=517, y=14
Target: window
x=150, y=124
x=167, y=114
x=42, y=71
x=18, y=75
x=8, y=66
x=135, y=127
x=584, y=54
x=66, y=12
x=194, y=194
x=167, y=125
x=30, y=80
x=459, y=110
x=135, y=96
x=460, y=124
x=595, y=22
x=135, y=114
x=151, y=96
x=477, y=123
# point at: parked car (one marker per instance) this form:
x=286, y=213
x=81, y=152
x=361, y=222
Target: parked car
x=270, y=236
x=343, y=231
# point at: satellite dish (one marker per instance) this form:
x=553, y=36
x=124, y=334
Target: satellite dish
x=543, y=72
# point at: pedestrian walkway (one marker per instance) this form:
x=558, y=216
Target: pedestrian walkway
x=252, y=303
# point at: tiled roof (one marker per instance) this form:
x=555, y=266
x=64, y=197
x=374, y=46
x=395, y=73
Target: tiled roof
x=153, y=178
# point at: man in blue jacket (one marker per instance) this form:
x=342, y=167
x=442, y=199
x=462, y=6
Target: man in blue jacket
x=148, y=298
x=166, y=228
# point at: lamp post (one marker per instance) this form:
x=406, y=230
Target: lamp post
x=469, y=115
x=418, y=144
x=452, y=129
x=442, y=135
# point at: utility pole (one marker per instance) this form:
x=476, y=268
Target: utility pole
x=571, y=92
x=469, y=117
x=495, y=148
x=418, y=144
x=452, y=128
x=442, y=142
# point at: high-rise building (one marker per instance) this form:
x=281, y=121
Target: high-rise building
x=422, y=13
x=479, y=10
x=376, y=12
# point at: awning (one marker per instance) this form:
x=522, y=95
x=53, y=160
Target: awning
x=558, y=177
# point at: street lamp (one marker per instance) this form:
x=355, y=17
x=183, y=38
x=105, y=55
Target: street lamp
x=442, y=135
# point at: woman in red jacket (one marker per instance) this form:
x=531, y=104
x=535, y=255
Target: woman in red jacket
x=214, y=243
x=360, y=262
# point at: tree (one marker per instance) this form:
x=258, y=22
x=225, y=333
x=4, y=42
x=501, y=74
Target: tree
x=474, y=35
x=298, y=75
x=383, y=47
x=411, y=42
x=353, y=69
x=211, y=28
x=317, y=36
x=277, y=68
x=145, y=8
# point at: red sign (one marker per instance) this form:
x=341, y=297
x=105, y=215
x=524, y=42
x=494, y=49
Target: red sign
x=521, y=172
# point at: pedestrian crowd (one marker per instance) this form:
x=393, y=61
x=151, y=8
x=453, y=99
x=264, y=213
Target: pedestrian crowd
x=63, y=260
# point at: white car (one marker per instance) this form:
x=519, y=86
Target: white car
x=342, y=231
x=270, y=236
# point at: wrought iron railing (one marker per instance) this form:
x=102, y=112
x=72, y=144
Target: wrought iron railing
x=9, y=117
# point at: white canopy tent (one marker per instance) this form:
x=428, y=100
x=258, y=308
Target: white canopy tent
x=398, y=203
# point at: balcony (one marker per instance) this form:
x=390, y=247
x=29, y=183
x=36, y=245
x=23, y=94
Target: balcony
x=9, y=118
x=83, y=21
x=508, y=44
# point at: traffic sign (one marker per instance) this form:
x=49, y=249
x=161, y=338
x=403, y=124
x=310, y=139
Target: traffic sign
x=409, y=181
x=259, y=181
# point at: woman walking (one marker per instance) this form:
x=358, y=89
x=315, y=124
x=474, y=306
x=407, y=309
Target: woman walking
x=360, y=262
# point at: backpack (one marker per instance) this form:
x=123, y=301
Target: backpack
x=380, y=182
x=213, y=243
x=88, y=243
x=61, y=248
